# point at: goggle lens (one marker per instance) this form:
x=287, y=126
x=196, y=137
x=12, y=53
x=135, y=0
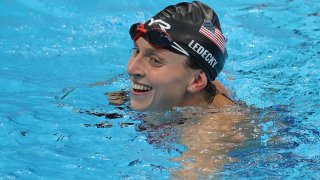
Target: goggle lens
x=156, y=36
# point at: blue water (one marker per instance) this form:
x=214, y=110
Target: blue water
x=53, y=53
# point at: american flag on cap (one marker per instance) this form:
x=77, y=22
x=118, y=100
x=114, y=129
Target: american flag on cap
x=213, y=33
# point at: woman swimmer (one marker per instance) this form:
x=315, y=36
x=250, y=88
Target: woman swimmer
x=177, y=53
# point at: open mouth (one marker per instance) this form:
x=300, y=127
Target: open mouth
x=140, y=87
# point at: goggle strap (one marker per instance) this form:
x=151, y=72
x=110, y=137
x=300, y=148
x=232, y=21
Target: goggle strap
x=179, y=48
x=141, y=30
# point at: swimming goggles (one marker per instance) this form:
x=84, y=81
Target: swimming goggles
x=156, y=37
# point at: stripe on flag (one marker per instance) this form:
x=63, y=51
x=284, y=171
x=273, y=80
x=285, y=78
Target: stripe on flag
x=216, y=37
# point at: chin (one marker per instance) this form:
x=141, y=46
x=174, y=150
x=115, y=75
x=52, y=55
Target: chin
x=138, y=107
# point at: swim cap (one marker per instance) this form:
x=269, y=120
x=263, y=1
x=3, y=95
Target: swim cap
x=196, y=29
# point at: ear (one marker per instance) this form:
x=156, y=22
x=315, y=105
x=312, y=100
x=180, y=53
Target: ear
x=198, y=82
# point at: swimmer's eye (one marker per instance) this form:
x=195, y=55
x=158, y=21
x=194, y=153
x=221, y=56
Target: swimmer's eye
x=135, y=51
x=155, y=62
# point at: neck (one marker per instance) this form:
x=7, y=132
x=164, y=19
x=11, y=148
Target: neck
x=195, y=99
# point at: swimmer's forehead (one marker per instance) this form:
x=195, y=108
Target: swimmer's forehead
x=151, y=50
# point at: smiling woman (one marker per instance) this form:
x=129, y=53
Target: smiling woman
x=55, y=122
x=176, y=67
x=160, y=70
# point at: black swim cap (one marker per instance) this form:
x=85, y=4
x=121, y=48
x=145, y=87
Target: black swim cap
x=196, y=29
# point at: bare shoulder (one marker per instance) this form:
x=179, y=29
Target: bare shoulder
x=209, y=137
x=222, y=99
x=220, y=87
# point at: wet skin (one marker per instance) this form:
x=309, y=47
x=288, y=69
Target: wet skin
x=161, y=80
x=159, y=77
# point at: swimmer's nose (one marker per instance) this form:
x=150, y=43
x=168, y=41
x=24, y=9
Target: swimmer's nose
x=135, y=66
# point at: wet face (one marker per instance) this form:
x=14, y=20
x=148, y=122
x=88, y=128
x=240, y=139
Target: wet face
x=159, y=78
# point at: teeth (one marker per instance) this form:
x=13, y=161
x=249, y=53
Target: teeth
x=141, y=87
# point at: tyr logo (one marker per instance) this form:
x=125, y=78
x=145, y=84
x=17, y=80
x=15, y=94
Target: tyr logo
x=163, y=25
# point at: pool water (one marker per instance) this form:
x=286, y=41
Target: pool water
x=59, y=58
